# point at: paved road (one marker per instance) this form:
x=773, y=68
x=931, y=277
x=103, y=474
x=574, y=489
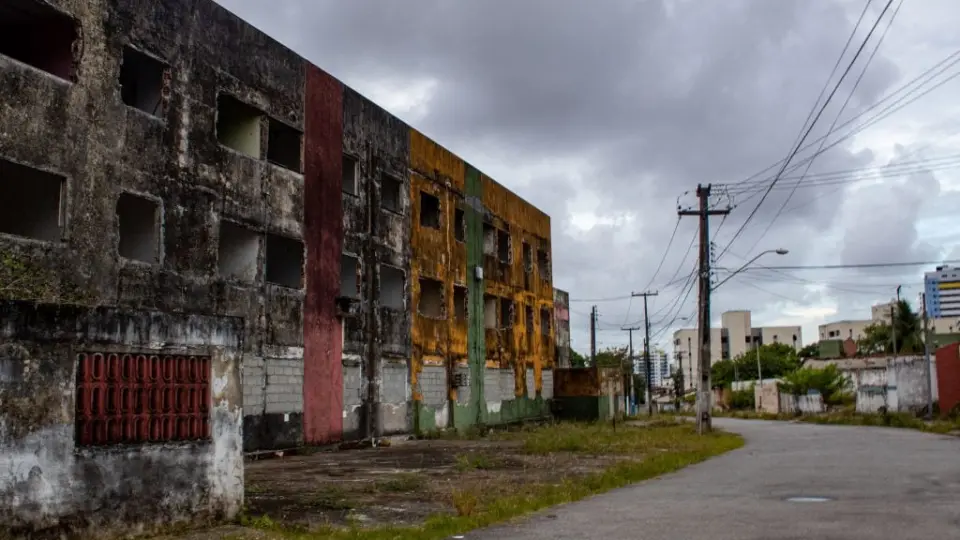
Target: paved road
x=884, y=483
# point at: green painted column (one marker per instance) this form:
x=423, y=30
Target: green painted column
x=474, y=413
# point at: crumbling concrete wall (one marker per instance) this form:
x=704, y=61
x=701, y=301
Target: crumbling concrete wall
x=561, y=317
x=376, y=232
x=51, y=480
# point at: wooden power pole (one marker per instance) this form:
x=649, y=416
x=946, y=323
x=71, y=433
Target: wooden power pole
x=593, y=336
x=646, y=348
x=703, y=390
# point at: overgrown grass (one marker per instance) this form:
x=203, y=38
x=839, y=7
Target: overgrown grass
x=401, y=483
x=661, y=449
x=852, y=418
x=466, y=462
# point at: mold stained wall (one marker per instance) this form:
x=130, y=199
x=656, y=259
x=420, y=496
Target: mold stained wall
x=516, y=345
x=82, y=130
x=439, y=341
x=376, y=389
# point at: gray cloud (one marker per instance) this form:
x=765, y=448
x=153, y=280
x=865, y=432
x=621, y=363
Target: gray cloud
x=645, y=100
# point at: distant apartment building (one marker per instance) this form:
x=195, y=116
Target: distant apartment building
x=882, y=312
x=942, y=291
x=736, y=336
x=659, y=368
x=853, y=329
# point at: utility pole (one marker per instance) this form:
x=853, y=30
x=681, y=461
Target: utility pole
x=630, y=330
x=926, y=355
x=703, y=390
x=593, y=336
x=893, y=323
x=678, y=392
x=646, y=347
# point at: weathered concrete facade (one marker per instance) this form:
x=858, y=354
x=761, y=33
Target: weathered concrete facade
x=561, y=317
x=191, y=211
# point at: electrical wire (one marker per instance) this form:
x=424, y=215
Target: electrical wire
x=790, y=157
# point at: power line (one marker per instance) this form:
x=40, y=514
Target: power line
x=809, y=129
x=852, y=266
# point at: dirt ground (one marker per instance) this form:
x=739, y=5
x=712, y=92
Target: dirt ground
x=401, y=484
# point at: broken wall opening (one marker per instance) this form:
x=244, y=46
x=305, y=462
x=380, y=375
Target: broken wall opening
x=284, y=145
x=545, y=319
x=503, y=246
x=141, y=81
x=349, y=276
x=36, y=34
x=543, y=264
x=527, y=257
x=489, y=239
x=460, y=304
x=429, y=210
x=528, y=320
x=139, y=228
x=239, y=125
x=459, y=225
x=392, y=287
x=490, y=312
x=284, y=261
x=31, y=202
x=431, y=298
x=506, y=313
x=238, y=252
x=348, y=174
x=390, y=190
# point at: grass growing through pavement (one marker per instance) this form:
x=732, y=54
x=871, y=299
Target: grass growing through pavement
x=647, y=452
x=853, y=418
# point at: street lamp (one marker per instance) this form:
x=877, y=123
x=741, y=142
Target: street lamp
x=780, y=251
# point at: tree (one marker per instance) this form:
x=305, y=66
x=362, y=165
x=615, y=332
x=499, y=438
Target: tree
x=776, y=360
x=810, y=351
x=878, y=337
x=614, y=357
x=577, y=360
x=828, y=381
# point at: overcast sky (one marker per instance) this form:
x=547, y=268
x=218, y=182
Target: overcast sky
x=602, y=114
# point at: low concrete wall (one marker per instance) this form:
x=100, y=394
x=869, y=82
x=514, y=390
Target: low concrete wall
x=50, y=479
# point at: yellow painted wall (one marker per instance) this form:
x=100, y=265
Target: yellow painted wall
x=436, y=254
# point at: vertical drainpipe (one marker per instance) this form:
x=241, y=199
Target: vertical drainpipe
x=371, y=369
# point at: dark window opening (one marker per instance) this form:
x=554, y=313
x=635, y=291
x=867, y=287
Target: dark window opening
x=349, y=175
x=141, y=82
x=284, y=145
x=31, y=202
x=527, y=257
x=747, y=338
x=543, y=264
x=489, y=239
x=506, y=313
x=284, y=261
x=138, y=228
x=390, y=192
x=460, y=303
x=38, y=35
x=429, y=210
x=238, y=252
x=503, y=246
x=431, y=299
x=349, y=276
x=141, y=399
x=528, y=321
x=490, y=312
x=392, y=280
x=544, y=322
x=238, y=125
x=459, y=225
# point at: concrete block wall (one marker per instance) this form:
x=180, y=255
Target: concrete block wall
x=433, y=385
x=395, y=394
x=546, y=391
x=463, y=393
x=531, y=384
x=507, y=388
x=284, y=385
x=491, y=386
x=254, y=384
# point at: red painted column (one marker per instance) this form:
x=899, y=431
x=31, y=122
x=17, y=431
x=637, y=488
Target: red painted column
x=322, y=337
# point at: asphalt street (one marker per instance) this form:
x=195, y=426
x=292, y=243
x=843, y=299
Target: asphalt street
x=878, y=483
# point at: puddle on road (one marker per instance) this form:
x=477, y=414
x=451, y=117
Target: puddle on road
x=808, y=499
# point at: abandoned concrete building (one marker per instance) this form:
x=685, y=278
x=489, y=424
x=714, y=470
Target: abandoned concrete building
x=209, y=247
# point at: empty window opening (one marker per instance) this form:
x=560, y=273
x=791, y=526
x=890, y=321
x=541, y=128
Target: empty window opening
x=527, y=257
x=392, y=281
x=141, y=82
x=390, y=189
x=503, y=246
x=528, y=319
x=490, y=312
x=36, y=34
x=489, y=239
x=139, y=228
x=431, y=298
x=283, y=145
x=238, y=125
x=349, y=276
x=460, y=304
x=429, y=211
x=459, y=225
x=284, y=261
x=544, y=322
x=30, y=202
x=349, y=174
x=543, y=264
x=506, y=313
x=238, y=252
